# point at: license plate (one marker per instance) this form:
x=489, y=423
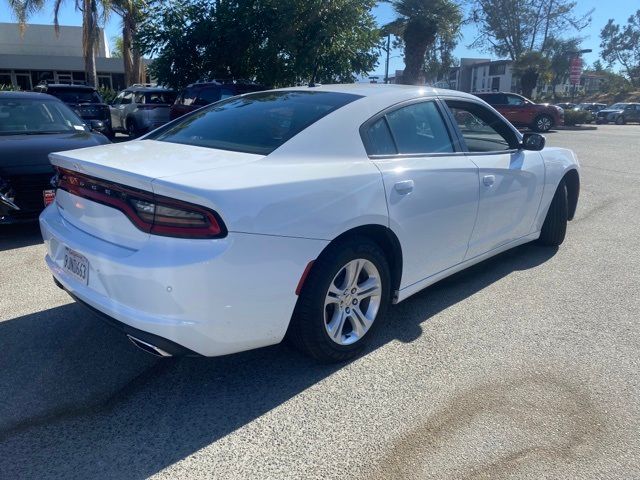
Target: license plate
x=76, y=265
x=48, y=196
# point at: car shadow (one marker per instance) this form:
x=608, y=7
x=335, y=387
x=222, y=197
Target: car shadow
x=19, y=235
x=78, y=401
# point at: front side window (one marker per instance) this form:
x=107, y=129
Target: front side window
x=481, y=129
x=419, y=128
x=256, y=123
x=126, y=98
x=515, y=100
x=35, y=116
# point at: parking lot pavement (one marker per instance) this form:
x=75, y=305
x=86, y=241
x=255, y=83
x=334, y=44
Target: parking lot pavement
x=525, y=366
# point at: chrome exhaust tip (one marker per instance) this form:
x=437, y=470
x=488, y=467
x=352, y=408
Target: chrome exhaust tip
x=147, y=347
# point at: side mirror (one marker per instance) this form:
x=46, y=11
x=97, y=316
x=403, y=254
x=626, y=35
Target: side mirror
x=532, y=141
x=96, y=125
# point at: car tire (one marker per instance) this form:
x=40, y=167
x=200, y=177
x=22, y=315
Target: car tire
x=542, y=123
x=554, y=227
x=327, y=297
x=132, y=128
x=110, y=134
x=620, y=120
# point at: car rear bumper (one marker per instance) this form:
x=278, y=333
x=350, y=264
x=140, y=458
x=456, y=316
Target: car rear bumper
x=212, y=297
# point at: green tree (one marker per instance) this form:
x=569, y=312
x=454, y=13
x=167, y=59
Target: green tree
x=116, y=52
x=275, y=42
x=527, y=29
x=529, y=68
x=130, y=11
x=429, y=30
x=620, y=44
x=559, y=54
x=94, y=13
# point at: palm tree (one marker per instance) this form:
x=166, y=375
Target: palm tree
x=419, y=24
x=130, y=11
x=94, y=12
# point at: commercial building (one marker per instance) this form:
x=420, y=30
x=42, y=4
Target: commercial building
x=40, y=55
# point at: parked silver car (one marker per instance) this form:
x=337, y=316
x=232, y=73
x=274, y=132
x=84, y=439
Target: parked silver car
x=141, y=108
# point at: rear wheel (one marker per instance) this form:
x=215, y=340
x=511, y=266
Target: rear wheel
x=342, y=301
x=132, y=128
x=542, y=123
x=620, y=120
x=554, y=227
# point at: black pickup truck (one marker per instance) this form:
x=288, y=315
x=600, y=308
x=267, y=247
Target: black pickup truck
x=84, y=100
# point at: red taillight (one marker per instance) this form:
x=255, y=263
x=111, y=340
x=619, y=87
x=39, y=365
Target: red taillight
x=148, y=212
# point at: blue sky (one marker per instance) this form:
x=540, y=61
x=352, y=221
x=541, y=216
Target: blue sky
x=619, y=10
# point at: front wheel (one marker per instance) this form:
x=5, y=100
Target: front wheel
x=542, y=123
x=554, y=227
x=342, y=301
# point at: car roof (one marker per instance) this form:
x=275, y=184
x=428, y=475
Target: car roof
x=68, y=85
x=28, y=95
x=149, y=89
x=391, y=92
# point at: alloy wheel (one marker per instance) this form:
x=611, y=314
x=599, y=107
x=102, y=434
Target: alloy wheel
x=544, y=124
x=352, y=301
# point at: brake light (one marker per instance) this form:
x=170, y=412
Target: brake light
x=149, y=212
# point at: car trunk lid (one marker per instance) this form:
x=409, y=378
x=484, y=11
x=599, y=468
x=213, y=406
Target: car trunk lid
x=136, y=165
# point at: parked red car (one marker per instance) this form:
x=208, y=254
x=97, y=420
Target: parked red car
x=522, y=112
x=198, y=95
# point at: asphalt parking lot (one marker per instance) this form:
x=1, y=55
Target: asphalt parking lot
x=525, y=366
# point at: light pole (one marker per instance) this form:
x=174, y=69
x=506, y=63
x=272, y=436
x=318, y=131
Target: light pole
x=386, y=63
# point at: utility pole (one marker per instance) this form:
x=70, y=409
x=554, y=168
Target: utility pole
x=386, y=63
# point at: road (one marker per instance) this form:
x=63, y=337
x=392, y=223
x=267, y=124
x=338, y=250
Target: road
x=525, y=366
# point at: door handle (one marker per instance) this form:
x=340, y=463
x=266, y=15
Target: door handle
x=489, y=180
x=404, y=187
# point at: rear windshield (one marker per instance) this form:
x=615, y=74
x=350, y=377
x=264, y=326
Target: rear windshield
x=80, y=95
x=256, y=123
x=160, y=97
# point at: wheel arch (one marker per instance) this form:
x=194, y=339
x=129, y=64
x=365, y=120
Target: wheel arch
x=388, y=242
x=572, y=181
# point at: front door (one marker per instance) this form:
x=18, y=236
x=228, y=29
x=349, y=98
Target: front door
x=432, y=190
x=510, y=180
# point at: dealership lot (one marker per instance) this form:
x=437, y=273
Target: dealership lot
x=527, y=365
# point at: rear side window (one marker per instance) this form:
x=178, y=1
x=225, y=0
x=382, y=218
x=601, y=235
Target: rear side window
x=159, y=97
x=380, y=139
x=494, y=98
x=256, y=123
x=208, y=95
x=419, y=128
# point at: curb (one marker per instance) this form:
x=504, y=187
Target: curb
x=577, y=128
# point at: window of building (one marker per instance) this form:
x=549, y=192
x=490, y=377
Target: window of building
x=497, y=68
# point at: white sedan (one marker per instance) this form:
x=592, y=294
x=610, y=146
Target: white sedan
x=299, y=213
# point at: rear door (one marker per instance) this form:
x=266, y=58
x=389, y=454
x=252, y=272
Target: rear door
x=518, y=111
x=510, y=180
x=431, y=186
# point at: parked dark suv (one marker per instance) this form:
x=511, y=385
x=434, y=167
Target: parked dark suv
x=522, y=112
x=619, y=113
x=85, y=101
x=200, y=94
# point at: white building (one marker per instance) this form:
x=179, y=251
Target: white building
x=40, y=54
